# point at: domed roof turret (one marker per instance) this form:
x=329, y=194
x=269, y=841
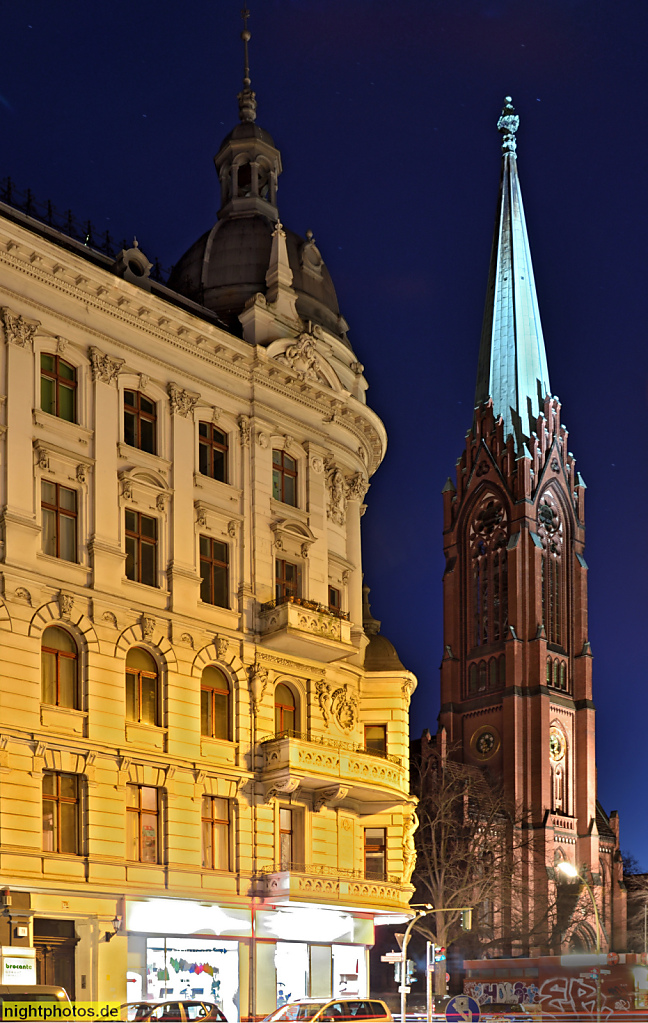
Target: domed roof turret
x=380, y=653
x=230, y=263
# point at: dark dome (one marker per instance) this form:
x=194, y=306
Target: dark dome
x=248, y=130
x=380, y=655
x=228, y=265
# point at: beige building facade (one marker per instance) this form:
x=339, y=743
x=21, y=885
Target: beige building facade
x=203, y=753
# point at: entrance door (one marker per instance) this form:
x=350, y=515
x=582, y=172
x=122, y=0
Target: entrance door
x=55, y=942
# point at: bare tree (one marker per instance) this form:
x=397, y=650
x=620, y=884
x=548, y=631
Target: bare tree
x=636, y=883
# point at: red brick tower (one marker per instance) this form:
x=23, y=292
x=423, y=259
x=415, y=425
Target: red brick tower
x=516, y=676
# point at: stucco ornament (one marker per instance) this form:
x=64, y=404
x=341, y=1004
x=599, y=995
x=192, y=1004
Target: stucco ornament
x=336, y=486
x=18, y=330
x=323, y=690
x=302, y=358
x=357, y=486
x=104, y=367
x=183, y=402
x=344, y=707
x=148, y=626
x=410, y=824
x=258, y=684
x=66, y=603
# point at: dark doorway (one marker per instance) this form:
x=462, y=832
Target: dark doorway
x=55, y=942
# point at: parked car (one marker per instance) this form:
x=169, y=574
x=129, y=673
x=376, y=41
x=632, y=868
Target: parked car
x=178, y=1012
x=135, y=1010
x=332, y=1010
x=31, y=993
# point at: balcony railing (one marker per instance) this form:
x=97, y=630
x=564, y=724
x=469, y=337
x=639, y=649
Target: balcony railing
x=350, y=747
x=308, y=605
x=323, y=870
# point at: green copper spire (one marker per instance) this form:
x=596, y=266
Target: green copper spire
x=512, y=366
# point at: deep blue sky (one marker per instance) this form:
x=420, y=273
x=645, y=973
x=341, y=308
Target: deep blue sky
x=385, y=115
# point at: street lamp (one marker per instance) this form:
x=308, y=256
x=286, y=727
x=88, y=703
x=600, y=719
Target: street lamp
x=569, y=870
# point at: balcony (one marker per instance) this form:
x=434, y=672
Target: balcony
x=305, y=628
x=315, y=882
x=333, y=772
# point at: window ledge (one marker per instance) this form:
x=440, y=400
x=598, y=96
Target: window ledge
x=70, y=570
x=151, y=736
x=151, y=595
x=66, y=719
x=288, y=510
x=222, y=615
x=70, y=431
x=226, y=491
x=139, y=457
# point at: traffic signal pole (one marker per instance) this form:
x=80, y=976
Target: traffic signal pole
x=466, y=919
x=430, y=960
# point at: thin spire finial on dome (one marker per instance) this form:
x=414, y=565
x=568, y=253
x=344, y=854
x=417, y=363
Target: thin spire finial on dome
x=507, y=125
x=246, y=98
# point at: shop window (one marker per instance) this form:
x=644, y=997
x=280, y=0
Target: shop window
x=60, y=812
x=59, y=659
x=216, y=846
x=142, y=703
x=140, y=422
x=287, y=581
x=142, y=824
x=141, y=548
x=285, y=709
x=284, y=478
x=375, y=737
x=214, y=572
x=212, y=452
x=59, y=511
x=375, y=853
x=58, y=387
x=214, y=704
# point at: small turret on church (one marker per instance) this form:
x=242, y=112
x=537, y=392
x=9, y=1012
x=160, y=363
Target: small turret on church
x=516, y=676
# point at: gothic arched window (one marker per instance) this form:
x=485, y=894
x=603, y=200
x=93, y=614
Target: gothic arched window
x=488, y=537
x=550, y=531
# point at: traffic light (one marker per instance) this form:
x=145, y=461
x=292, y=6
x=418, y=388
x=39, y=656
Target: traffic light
x=410, y=970
x=397, y=972
x=439, y=956
x=466, y=919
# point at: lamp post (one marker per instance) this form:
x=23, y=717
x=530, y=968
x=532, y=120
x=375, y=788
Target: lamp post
x=569, y=870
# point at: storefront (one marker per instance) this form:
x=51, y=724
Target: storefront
x=248, y=960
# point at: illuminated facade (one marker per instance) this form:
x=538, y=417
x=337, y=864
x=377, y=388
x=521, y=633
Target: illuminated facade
x=516, y=678
x=203, y=754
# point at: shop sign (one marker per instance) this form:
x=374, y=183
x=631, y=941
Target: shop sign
x=180, y=916
x=18, y=965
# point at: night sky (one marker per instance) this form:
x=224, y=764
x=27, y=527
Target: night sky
x=385, y=114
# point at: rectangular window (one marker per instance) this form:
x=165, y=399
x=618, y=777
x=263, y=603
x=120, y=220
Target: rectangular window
x=212, y=452
x=287, y=580
x=59, y=511
x=216, y=833
x=374, y=852
x=214, y=572
x=142, y=817
x=334, y=598
x=284, y=478
x=60, y=812
x=141, y=548
x=376, y=738
x=140, y=422
x=286, y=839
x=58, y=387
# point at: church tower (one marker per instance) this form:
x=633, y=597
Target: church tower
x=516, y=676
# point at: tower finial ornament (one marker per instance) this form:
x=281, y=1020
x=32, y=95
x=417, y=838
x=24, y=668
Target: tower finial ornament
x=508, y=124
x=246, y=98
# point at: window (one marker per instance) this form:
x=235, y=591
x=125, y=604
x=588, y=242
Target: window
x=142, y=817
x=141, y=548
x=141, y=687
x=287, y=580
x=212, y=452
x=59, y=660
x=214, y=704
x=60, y=812
x=286, y=838
x=214, y=572
x=374, y=851
x=284, y=478
x=550, y=531
x=376, y=738
x=59, y=510
x=284, y=709
x=556, y=674
x=335, y=598
x=216, y=833
x=488, y=537
x=58, y=387
x=140, y=420
x=487, y=675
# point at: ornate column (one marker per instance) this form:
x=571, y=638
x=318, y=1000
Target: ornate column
x=183, y=576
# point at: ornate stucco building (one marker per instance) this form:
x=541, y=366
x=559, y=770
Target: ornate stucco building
x=203, y=754
x=516, y=677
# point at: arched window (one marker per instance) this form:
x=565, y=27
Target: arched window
x=59, y=660
x=285, y=709
x=488, y=536
x=214, y=704
x=142, y=696
x=550, y=531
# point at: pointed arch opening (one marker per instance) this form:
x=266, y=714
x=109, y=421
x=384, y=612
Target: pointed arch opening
x=488, y=535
